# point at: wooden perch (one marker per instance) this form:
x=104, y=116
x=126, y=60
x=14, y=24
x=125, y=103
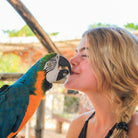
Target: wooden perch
x=34, y=25
x=15, y=76
x=10, y=76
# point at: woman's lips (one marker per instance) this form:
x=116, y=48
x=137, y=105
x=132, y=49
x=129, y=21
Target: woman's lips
x=74, y=73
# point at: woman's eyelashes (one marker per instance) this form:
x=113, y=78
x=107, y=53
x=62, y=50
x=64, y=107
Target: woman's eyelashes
x=84, y=56
x=81, y=54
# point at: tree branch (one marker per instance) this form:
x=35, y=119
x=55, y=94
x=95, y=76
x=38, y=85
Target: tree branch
x=34, y=25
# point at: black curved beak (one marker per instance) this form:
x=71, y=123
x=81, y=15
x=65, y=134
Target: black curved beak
x=64, y=68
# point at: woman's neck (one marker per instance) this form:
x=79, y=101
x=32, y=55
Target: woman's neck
x=105, y=113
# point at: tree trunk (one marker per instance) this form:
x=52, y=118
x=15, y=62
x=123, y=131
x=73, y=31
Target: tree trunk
x=40, y=125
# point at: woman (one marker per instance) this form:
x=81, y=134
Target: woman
x=105, y=67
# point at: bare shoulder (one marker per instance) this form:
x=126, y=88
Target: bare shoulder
x=133, y=133
x=77, y=124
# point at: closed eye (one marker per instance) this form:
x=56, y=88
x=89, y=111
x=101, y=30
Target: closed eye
x=84, y=55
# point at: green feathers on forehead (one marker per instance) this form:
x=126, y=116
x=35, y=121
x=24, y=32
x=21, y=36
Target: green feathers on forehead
x=48, y=57
x=45, y=59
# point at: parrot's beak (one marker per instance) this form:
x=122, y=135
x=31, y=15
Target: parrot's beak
x=64, y=68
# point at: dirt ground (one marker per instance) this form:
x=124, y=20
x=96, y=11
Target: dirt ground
x=53, y=134
x=48, y=134
x=50, y=130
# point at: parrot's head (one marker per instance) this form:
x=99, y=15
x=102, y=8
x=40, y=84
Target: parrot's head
x=56, y=67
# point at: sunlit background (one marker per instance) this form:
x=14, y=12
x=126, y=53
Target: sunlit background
x=70, y=17
x=64, y=21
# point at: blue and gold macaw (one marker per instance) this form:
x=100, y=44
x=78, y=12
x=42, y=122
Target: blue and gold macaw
x=19, y=101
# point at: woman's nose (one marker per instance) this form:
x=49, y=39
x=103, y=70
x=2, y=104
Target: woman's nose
x=74, y=60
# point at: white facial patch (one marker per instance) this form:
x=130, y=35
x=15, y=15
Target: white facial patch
x=52, y=67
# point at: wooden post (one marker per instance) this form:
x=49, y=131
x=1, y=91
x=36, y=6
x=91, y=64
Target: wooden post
x=39, y=130
x=34, y=25
x=59, y=127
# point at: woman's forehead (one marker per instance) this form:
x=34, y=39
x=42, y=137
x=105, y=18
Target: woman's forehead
x=82, y=45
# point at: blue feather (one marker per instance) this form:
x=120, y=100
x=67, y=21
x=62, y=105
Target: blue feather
x=13, y=109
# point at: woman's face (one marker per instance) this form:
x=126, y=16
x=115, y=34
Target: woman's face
x=81, y=77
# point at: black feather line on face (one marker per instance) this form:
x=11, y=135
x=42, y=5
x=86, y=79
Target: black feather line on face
x=46, y=85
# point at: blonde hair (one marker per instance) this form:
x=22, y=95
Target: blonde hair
x=114, y=59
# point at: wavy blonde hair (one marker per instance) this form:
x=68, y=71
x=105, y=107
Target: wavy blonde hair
x=114, y=59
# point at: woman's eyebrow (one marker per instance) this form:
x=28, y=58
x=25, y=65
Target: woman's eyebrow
x=82, y=49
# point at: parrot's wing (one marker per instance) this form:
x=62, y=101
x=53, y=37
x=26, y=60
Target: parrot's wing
x=13, y=104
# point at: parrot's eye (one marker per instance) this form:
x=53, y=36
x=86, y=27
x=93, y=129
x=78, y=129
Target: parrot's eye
x=49, y=64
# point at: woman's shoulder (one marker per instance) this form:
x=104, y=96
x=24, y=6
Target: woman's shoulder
x=77, y=124
x=133, y=127
x=83, y=117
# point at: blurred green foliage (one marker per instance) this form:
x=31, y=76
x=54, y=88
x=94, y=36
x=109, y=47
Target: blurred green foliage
x=71, y=104
x=100, y=25
x=24, y=31
x=10, y=63
x=54, y=33
x=131, y=26
x=128, y=26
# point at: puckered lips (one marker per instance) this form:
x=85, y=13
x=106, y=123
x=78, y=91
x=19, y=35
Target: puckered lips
x=73, y=72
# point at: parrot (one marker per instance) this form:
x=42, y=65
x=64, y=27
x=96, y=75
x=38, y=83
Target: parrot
x=19, y=101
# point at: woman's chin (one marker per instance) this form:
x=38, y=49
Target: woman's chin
x=68, y=84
